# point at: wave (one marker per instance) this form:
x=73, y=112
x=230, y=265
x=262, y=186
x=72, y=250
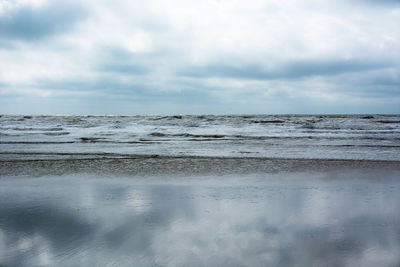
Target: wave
x=389, y=121
x=57, y=133
x=267, y=121
x=158, y=134
x=37, y=142
x=76, y=142
x=24, y=129
x=251, y=137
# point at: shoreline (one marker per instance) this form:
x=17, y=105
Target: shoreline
x=158, y=165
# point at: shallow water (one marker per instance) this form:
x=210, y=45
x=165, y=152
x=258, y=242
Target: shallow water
x=285, y=219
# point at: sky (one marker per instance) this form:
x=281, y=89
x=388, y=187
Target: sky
x=199, y=57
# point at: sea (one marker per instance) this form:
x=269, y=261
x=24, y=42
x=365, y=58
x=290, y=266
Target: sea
x=357, y=137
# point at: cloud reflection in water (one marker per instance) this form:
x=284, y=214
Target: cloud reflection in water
x=68, y=221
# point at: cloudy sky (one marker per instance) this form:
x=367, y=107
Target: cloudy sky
x=192, y=57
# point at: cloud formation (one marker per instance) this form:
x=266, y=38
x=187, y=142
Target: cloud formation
x=262, y=56
x=291, y=70
x=29, y=23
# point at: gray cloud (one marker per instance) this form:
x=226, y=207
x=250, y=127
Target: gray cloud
x=290, y=70
x=118, y=60
x=108, y=88
x=124, y=69
x=27, y=23
x=381, y=2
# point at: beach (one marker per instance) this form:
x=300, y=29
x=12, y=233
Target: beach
x=199, y=133
x=144, y=194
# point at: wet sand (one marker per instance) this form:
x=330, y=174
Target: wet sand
x=61, y=164
x=194, y=211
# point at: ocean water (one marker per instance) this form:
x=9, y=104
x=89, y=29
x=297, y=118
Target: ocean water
x=371, y=137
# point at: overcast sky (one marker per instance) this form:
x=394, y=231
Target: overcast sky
x=199, y=57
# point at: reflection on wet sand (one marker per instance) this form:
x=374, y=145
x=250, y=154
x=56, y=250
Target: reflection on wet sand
x=242, y=221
